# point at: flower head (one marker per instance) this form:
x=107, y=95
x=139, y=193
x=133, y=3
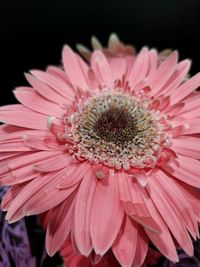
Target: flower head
x=109, y=150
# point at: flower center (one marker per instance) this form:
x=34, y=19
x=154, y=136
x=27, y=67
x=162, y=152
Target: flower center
x=116, y=125
x=116, y=129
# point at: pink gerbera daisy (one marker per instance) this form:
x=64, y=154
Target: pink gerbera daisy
x=109, y=150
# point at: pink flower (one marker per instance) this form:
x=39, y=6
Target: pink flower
x=109, y=150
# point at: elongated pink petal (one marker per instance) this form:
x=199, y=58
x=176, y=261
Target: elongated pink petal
x=84, y=67
x=31, y=159
x=59, y=224
x=176, y=78
x=43, y=88
x=82, y=213
x=10, y=195
x=185, y=89
x=54, y=164
x=102, y=69
x=92, y=80
x=141, y=249
x=24, y=118
x=140, y=68
x=60, y=87
x=172, y=111
x=191, y=102
x=35, y=142
x=79, y=172
x=172, y=190
x=73, y=69
x=191, y=107
x=125, y=244
x=187, y=145
x=30, y=99
x=14, y=146
x=118, y=67
x=184, y=169
x=163, y=241
x=106, y=215
x=18, y=176
x=163, y=73
x=9, y=155
x=17, y=132
x=15, y=107
x=153, y=62
x=133, y=203
x=171, y=218
x=193, y=126
x=192, y=194
x=60, y=74
x=37, y=195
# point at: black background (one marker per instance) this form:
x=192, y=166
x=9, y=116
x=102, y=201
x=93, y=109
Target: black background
x=32, y=32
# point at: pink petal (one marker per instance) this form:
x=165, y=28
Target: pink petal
x=172, y=111
x=187, y=145
x=23, y=118
x=176, y=78
x=185, y=169
x=153, y=62
x=59, y=224
x=82, y=213
x=163, y=73
x=11, y=194
x=46, y=91
x=60, y=74
x=73, y=69
x=40, y=195
x=133, y=203
x=92, y=80
x=118, y=67
x=35, y=142
x=60, y=87
x=191, y=107
x=30, y=99
x=194, y=126
x=140, y=68
x=192, y=194
x=32, y=158
x=163, y=241
x=79, y=171
x=172, y=219
x=14, y=146
x=185, y=89
x=84, y=67
x=54, y=164
x=15, y=107
x=18, y=176
x=125, y=244
x=130, y=62
x=141, y=249
x=102, y=69
x=173, y=193
x=106, y=215
x=11, y=132
x=8, y=155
